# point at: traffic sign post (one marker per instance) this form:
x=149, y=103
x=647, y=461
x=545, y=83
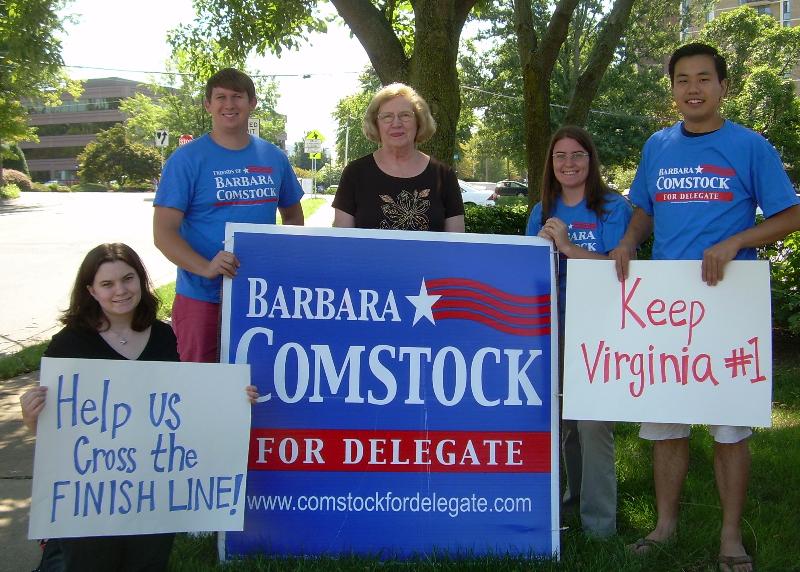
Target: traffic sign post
x=162, y=138
x=313, y=146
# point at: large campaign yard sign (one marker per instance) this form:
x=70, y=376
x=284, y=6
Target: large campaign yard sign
x=665, y=347
x=134, y=447
x=409, y=400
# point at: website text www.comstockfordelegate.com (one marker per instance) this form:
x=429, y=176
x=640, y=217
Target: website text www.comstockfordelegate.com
x=389, y=502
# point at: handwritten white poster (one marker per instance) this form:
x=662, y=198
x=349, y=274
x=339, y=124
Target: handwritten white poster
x=129, y=447
x=664, y=346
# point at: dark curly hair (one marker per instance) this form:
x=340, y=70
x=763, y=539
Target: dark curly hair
x=84, y=311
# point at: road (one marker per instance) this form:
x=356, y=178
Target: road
x=43, y=239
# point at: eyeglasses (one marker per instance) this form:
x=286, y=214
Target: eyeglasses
x=388, y=117
x=575, y=156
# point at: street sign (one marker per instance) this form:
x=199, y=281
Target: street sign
x=184, y=139
x=312, y=146
x=162, y=138
x=315, y=155
x=254, y=126
x=313, y=142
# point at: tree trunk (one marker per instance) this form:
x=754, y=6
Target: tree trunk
x=602, y=53
x=537, y=60
x=437, y=31
x=431, y=69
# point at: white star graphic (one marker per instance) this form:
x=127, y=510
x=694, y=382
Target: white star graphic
x=423, y=304
x=246, y=170
x=699, y=169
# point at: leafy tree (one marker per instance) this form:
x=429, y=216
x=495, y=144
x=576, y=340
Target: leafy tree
x=299, y=158
x=180, y=109
x=351, y=142
x=14, y=158
x=113, y=157
x=760, y=54
x=30, y=63
x=330, y=174
x=412, y=42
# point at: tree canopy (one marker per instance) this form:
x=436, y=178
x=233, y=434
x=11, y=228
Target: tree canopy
x=178, y=105
x=760, y=54
x=30, y=63
x=113, y=157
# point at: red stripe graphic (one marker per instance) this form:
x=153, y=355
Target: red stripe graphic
x=469, y=305
x=464, y=299
x=492, y=291
x=721, y=171
x=402, y=451
x=487, y=321
x=257, y=169
x=245, y=202
x=489, y=301
x=584, y=225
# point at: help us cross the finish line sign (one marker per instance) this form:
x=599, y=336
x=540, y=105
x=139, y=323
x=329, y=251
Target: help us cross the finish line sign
x=407, y=392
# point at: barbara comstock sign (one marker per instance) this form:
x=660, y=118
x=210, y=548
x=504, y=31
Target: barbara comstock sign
x=664, y=346
x=408, y=396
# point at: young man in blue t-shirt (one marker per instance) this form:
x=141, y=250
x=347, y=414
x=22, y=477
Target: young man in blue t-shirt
x=696, y=189
x=224, y=176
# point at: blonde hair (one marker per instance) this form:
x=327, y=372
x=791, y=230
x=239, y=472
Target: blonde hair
x=426, y=125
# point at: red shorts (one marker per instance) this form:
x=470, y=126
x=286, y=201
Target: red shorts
x=196, y=325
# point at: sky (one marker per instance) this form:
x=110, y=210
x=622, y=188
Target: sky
x=134, y=38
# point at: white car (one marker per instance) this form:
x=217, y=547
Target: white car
x=472, y=196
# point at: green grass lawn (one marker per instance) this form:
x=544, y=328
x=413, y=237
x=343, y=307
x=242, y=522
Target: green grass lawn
x=771, y=520
x=310, y=206
x=770, y=525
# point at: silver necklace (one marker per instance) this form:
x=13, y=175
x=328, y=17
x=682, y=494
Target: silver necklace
x=120, y=339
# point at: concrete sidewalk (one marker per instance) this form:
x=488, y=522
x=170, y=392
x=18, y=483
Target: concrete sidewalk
x=16, y=456
x=16, y=468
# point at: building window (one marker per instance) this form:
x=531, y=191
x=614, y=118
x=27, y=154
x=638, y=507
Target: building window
x=74, y=128
x=52, y=153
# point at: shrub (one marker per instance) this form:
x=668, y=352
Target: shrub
x=784, y=258
x=621, y=176
x=89, y=188
x=496, y=220
x=40, y=187
x=10, y=191
x=14, y=158
x=20, y=179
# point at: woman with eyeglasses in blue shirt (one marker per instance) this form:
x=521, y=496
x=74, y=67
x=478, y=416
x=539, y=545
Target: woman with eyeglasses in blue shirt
x=584, y=218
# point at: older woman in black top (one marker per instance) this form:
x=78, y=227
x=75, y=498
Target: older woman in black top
x=399, y=187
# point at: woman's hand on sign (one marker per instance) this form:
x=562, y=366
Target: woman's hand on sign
x=32, y=403
x=252, y=393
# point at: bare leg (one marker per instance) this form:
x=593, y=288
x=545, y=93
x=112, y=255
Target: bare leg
x=732, y=471
x=670, y=465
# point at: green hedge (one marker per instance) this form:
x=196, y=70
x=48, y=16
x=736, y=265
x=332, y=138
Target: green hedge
x=496, y=220
x=10, y=191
